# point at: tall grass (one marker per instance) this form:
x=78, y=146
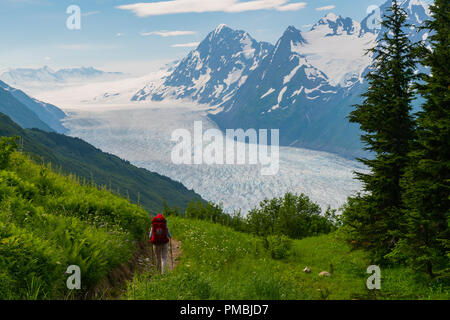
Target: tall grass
x=220, y=263
x=49, y=221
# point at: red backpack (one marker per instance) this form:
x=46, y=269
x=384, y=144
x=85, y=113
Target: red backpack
x=159, y=230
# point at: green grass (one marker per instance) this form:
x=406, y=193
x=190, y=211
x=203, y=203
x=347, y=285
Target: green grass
x=49, y=221
x=219, y=263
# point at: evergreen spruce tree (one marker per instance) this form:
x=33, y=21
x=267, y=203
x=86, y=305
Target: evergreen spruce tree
x=427, y=181
x=385, y=117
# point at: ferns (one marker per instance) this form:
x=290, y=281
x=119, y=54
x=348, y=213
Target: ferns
x=48, y=222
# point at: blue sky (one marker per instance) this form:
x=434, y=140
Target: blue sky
x=118, y=35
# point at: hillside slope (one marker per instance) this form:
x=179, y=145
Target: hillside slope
x=14, y=101
x=220, y=263
x=19, y=112
x=74, y=156
x=48, y=113
x=49, y=222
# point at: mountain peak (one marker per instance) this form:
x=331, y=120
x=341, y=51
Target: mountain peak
x=291, y=27
x=47, y=68
x=410, y=3
x=337, y=25
x=291, y=38
x=221, y=28
x=293, y=34
x=332, y=17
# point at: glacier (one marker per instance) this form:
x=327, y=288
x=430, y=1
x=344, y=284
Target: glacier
x=140, y=132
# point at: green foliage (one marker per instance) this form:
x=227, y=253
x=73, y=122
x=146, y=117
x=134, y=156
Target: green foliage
x=217, y=263
x=206, y=211
x=385, y=117
x=7, y=147
x=278, y=246
x=25, y=259
x=210, y=212
x=220, y=263
x=404, y=215
x=425, y=244
x=294, y=216
x=48, y=222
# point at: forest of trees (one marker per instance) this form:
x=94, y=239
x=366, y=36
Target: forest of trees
x=403, y=214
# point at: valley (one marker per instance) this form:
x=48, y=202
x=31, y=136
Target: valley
x=140, y=133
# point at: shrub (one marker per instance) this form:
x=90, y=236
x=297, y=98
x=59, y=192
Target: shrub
x=7, y=147
x=27, y=259
x=294, y=216
x=279, y=246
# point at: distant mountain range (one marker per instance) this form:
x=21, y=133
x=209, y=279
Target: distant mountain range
x=304, y=85
x=39, y=126
x=45, y=74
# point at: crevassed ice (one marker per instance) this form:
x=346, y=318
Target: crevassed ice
x=142, y=134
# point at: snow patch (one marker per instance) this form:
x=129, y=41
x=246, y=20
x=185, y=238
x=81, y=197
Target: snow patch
x=271, y=90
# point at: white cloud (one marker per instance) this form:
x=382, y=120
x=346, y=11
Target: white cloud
x=198, y=6
x=77, y=46
x=326, y=8
x=292, y=6
x=86, y=47
x=165, y=33
x=91, y=13
x=120, y=34
x=186, y=45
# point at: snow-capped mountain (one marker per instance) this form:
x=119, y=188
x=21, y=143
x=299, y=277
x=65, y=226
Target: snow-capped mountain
x=336, y=46
x=305, y=85
x=222, y=63
x=287, y=92
x=213, y=72
x=48, y=75
x=283, y=79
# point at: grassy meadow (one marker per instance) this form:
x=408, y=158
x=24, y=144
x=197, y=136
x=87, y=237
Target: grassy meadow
x=220, y=263
x=49, y=221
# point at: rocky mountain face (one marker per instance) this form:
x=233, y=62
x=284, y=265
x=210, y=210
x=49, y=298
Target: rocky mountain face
x=305, y=85
x=214, y=71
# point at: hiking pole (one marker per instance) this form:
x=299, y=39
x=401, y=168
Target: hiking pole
x=151, y=249
x=171, y=252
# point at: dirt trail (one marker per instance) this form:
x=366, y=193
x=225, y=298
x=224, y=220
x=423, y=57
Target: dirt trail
x=114, y=285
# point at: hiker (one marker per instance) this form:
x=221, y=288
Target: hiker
x=159, y=238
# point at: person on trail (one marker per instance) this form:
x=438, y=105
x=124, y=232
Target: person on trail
x=159, y=238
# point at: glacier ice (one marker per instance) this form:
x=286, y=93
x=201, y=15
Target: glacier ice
x=141, y=132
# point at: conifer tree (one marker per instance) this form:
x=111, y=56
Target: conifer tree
x=385, y=117
x=427, y=182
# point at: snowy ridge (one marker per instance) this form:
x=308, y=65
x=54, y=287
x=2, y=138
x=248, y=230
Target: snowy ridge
x=304, y=85
x=47, y=74
x=213, y=71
